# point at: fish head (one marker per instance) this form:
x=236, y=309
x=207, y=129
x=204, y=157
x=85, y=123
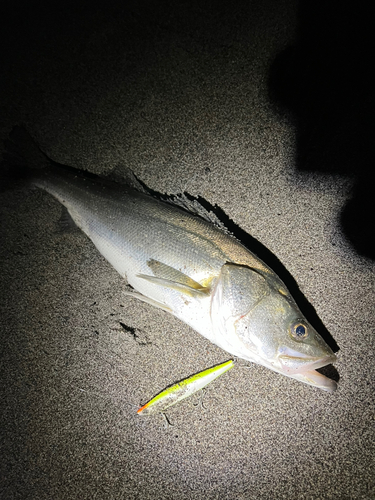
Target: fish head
x=256, y=318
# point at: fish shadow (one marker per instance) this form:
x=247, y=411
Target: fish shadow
x=267, y=257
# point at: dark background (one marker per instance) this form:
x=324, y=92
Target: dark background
x=326, y=82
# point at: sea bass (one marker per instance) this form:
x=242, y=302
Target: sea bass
x=189, y=267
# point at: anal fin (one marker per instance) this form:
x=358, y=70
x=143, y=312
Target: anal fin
x=66, y=223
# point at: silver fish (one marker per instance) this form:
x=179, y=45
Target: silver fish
x=191, y=268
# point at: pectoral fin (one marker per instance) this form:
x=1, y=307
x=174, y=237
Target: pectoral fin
x=169, y=277
x=184, y=289
x=169, y=273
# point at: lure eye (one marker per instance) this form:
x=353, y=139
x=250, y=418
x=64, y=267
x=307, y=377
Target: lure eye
x=299, y=331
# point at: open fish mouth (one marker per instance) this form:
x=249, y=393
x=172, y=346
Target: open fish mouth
x=304, y=368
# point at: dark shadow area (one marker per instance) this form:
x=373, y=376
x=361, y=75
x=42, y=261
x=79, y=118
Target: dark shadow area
x=325, y=80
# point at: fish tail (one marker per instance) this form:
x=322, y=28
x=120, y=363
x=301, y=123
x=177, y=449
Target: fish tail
x=21, y=158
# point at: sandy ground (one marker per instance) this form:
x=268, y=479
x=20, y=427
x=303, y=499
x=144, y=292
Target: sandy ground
x=180, y=93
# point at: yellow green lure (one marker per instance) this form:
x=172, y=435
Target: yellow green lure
x=184, y=389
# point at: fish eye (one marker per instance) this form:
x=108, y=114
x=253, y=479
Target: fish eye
x=299, y=331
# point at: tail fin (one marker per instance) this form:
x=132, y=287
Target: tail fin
x=21, y=157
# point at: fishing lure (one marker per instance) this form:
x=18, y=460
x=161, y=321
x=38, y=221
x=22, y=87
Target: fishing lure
x=184, y=389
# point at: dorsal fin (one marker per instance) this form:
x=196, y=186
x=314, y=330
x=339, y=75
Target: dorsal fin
x=195, y=206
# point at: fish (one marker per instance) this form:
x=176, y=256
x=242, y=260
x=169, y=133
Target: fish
x=184, y=263
x=183, y=389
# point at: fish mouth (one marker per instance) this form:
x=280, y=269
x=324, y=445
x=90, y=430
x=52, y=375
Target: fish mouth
x=304, y=368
